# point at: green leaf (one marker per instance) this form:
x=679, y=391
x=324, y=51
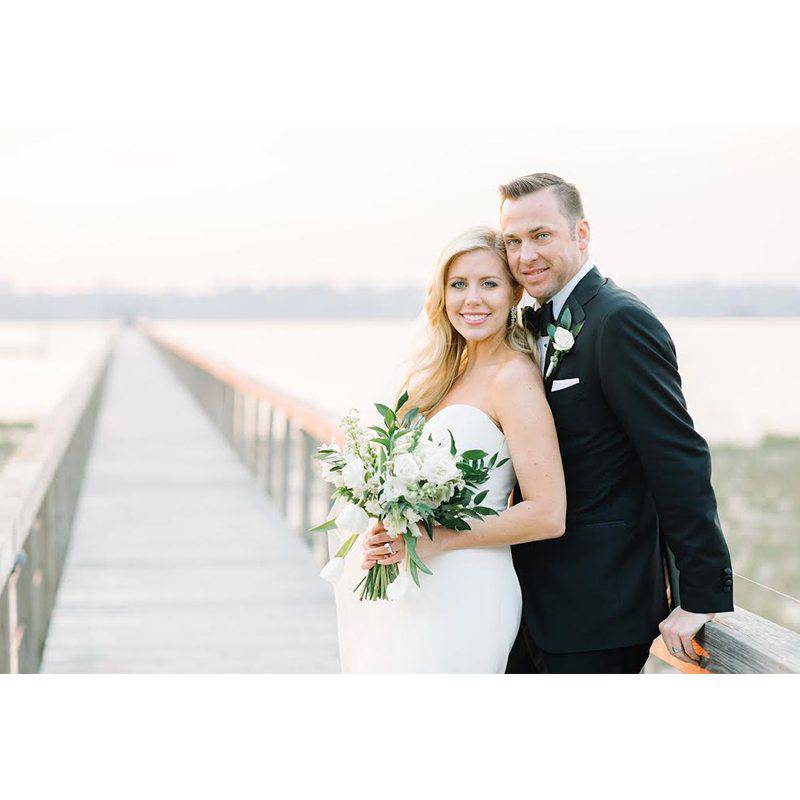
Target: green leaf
x=378, y=429
x=385, y=411
x=551, y=330
x=325, y=526
x=492, y=460
x=566, y=318
x=411, y=546
x=577, y=329
x=479, y=497
x=452, y=444
x=500, y=463
x=461, y=525
x=428, y=527
x=486, y=511
x=473, y=455
x=345, y=548
x=402, y=401
x=381, y=440
x=412, y=570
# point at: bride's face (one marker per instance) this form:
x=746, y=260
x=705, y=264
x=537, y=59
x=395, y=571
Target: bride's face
x=478, y=295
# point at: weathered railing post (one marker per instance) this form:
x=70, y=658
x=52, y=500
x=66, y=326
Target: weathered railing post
x=306, y=462
x=286, y=466
x=270, y=452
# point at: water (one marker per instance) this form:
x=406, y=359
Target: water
x=39, y=361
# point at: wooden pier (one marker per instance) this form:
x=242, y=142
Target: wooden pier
x=178, y=562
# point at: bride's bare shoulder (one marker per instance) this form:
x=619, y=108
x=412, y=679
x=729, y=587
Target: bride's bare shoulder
x=517, y=368
x=515, y=380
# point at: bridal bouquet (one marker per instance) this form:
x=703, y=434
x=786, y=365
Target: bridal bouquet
x=399, y=476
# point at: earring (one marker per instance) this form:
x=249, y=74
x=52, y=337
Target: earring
x=512, y=316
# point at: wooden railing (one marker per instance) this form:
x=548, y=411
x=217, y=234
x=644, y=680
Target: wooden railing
x=276, y=436
x=39, y=490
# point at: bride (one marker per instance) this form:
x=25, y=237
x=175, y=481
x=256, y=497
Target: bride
x=477, y=377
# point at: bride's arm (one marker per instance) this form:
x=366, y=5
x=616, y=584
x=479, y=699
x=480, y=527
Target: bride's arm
x=519, y=403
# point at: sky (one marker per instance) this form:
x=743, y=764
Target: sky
x=198, y=208
x=198, y=146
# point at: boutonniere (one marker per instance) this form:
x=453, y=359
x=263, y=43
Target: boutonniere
x=563, y=337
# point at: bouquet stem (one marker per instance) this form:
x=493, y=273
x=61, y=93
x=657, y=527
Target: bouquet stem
x=375, y=583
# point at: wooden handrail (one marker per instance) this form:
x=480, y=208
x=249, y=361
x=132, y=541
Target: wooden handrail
x=39, y=489
x=305, y=416
x=740, y=642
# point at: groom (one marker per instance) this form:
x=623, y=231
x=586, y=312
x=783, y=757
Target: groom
x=637, y=473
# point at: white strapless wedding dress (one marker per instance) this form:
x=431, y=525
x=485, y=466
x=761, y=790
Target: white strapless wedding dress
x=466, y=615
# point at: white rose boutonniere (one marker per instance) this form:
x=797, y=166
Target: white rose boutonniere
x=563, y=337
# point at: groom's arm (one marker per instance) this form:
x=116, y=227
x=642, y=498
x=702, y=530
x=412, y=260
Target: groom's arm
x=639, y=376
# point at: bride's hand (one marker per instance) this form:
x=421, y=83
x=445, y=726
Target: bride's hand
x=376, y=552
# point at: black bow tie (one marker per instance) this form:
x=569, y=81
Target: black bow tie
x=536, y=320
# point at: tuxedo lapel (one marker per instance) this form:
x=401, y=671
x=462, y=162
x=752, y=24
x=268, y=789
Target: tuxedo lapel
x=580, y=296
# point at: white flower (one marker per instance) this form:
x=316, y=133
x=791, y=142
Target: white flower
x=412, y=515
x=406, y=468
x=563, y=340
x=329, y=474
x=440, y=436
x=393, y=489
x=398, y=587
x=333, y=570
x=373, y=507
x=353, y=474
x=402, y=444
x=352, y=519
x=440, y=467
x=395, y=524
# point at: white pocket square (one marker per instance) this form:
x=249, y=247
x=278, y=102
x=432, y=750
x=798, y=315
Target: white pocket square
x=564, y=384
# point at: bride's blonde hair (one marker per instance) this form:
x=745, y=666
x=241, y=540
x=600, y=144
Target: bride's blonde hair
x=443, y=356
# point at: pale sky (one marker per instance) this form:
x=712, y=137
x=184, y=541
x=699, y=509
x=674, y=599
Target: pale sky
x=202, y=145
x=198, y=208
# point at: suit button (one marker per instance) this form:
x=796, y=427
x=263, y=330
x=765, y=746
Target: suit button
x=728, y=571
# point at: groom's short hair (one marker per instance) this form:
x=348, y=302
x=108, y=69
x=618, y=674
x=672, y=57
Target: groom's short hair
x=567, y=193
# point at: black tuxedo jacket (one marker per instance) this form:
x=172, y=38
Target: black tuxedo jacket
x=634, y=465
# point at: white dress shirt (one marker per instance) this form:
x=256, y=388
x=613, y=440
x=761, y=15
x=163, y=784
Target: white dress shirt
x=558, y=300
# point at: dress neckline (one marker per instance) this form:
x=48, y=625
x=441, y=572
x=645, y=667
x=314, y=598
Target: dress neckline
x=475, y=408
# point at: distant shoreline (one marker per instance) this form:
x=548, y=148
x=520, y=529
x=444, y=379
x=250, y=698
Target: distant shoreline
x=319, y=301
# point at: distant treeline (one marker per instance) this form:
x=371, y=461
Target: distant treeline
x=319, y=300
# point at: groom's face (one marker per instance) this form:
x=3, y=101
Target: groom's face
x=544, y=249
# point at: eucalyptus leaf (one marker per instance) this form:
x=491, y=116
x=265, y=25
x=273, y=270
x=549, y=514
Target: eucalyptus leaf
x=401, y=401
x=412, y=570
x=566, y=318
x=384, y=411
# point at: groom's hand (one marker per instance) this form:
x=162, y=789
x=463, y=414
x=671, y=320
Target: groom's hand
x=678, y=631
